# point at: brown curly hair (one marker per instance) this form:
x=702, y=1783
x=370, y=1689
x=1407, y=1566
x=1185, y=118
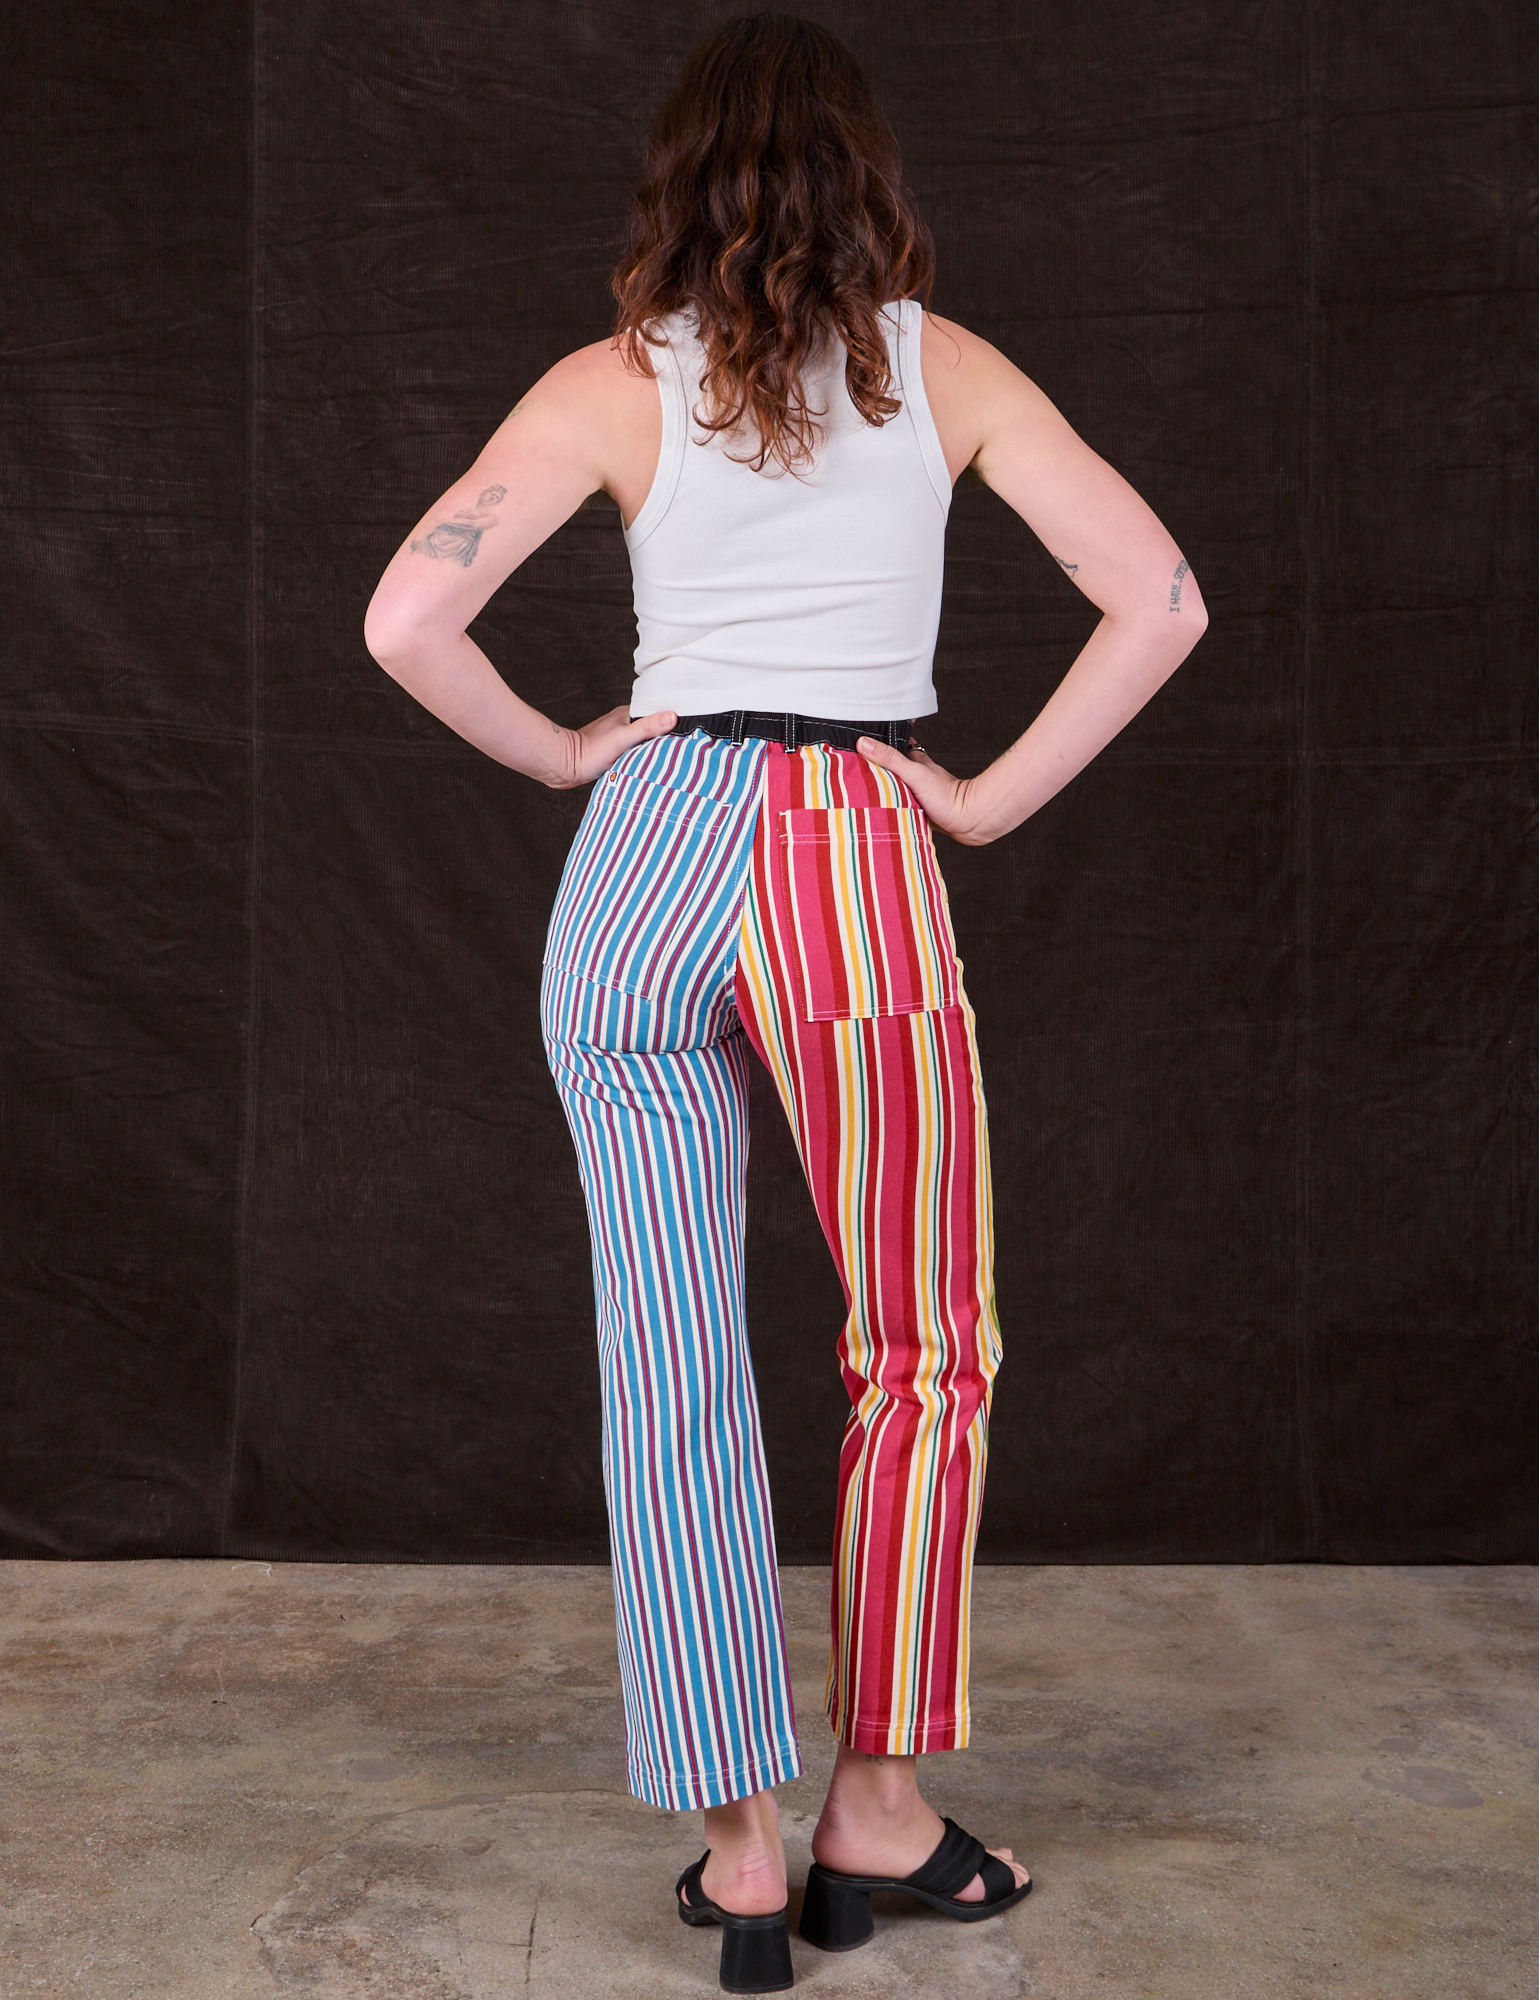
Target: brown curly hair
x=773, y=206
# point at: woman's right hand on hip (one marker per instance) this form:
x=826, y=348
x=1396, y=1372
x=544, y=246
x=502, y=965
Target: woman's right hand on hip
x=587, y=753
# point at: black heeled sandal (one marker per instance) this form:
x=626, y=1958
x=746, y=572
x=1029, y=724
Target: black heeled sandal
x=836, y=1909
x=755, y=1951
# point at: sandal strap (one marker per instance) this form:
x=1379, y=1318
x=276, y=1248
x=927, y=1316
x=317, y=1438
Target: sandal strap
x=690, y=1880
x=998, y=1878
x=956, y=1860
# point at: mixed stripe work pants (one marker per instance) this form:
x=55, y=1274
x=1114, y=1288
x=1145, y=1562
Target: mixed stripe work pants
x=718, y=894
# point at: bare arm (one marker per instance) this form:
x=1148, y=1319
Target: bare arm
x=585, y=425
x=1102, y=534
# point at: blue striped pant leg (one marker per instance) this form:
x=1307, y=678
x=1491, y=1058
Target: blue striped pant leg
x=643, y=1040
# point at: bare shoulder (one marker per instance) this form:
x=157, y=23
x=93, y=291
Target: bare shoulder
x=595, y=411
x=953, y=346
x=598, y=381
x=972, y=389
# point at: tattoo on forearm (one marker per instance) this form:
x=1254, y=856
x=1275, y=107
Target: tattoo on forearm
x=458, y=538
x=1070, y=567
x=1182, y=568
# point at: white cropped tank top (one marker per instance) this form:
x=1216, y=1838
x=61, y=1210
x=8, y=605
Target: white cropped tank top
x=817, y=593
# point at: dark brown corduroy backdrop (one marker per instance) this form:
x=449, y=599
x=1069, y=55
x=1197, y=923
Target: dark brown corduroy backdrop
x=295, y=1256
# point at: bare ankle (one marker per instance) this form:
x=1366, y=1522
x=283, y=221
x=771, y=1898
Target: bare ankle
x=872, y=1784
x=746, y=1833
x=746, y=1863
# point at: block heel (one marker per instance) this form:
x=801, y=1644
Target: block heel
x=835, y=1917
x=756, y=1955
x=755, y=1951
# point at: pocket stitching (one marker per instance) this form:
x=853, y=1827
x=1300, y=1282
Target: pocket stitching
x=631, y=794
x=925, y=899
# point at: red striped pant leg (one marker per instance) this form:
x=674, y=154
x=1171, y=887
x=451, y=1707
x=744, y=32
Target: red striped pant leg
x=888, y=1112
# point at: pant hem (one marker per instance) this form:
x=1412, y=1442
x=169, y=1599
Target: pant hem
x=885, y=1739
x=691, y=1791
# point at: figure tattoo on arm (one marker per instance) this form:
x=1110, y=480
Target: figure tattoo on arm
x=1070, y=567
x=1175, y=583
x=458, y=538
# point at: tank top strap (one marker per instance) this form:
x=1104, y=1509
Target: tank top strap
x=675, y=361
x=916, y=403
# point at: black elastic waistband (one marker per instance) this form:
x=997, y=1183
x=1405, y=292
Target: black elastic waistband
x=793, y=731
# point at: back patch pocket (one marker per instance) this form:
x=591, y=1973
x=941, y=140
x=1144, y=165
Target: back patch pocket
x=869, y=912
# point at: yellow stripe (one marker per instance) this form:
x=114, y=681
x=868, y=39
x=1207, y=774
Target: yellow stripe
x=860, y=1103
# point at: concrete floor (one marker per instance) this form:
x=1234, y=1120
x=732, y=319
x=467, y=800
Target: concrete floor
x=248, y=1780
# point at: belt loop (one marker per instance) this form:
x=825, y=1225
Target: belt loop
x=737, y=728
x=788, y=732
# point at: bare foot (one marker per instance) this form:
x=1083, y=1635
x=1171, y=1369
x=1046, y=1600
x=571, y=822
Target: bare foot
x=875, y=1823
x=746, y=1870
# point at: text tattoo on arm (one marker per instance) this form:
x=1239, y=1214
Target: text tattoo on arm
x=458, y=538
x=1175, y=583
